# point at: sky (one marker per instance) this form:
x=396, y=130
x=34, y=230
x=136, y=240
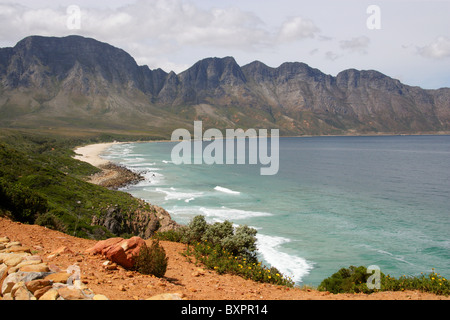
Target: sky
x=408, y=40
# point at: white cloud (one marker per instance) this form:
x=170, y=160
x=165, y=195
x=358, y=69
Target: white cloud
x=358, y=44
x=174, y=34
x=438, y=49
x=149, y=30
x=297, y=28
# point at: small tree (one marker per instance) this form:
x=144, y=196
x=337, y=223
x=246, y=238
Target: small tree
x=152, y=260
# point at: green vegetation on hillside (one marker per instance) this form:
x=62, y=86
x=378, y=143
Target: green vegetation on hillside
x=41, y=183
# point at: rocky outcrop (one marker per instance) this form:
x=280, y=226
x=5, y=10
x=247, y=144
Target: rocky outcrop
x=114, y=177
x=143, y=222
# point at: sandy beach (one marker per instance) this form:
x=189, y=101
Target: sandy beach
x=112, y=176
x=91, y=153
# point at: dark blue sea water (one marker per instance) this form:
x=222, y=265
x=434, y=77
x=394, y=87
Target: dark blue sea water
x=335, y=202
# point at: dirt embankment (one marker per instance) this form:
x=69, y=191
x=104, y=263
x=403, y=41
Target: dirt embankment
x=192, y=282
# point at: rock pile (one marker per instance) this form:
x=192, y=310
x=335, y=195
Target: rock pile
x=24, y=276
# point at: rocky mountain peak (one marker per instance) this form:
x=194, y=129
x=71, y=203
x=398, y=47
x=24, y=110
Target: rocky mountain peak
x=62, y=75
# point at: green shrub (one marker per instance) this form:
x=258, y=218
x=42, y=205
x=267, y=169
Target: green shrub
x=242, y=242
x=226, y=249
x=347, y=280
x=152, y=260
x=51, y=221
x=195, y=230
x=354, y=280
x=432, y=282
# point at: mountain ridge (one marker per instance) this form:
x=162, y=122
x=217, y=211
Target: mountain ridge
x=83, y=83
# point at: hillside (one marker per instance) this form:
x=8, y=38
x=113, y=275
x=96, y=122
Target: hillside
x=192, y=282
x=52, y=84
x=41, y=182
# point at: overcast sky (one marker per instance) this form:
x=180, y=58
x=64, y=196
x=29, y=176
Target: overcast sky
x=406, y=39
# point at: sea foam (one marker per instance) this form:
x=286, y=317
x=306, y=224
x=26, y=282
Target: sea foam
x=289, y=265
x=175, y=194
x=224, y=213
x=226, y=190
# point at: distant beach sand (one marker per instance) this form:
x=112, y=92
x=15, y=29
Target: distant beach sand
x=91, y=153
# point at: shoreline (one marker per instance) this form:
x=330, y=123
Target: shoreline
x=91, y=153
x=112, y=176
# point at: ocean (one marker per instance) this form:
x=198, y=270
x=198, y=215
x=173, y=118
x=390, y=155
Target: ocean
x=335, y=201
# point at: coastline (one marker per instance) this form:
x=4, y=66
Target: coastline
x=145, y=169
x=91, y=153
x=112, y=175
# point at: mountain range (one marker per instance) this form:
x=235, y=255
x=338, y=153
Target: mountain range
x=80, y=83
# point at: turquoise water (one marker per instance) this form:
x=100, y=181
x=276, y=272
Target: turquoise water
x=335, y=202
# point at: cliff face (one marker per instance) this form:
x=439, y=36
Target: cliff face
x=72, y=81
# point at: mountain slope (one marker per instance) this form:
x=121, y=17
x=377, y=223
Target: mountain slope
x=82, y=83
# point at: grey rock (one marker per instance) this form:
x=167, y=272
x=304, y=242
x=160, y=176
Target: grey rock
x=49, y=72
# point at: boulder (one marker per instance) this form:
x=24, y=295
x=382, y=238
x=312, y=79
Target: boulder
x=41, y=267
x=103, y=246
x=13, y=260
x=125, y=251
x=58, y=277
x=18, y=249
x=71, y=294
x=20, y=292
x=37, y=284
x=51, y=294
x=40, y=292
x=119, y=250
x=9, y=282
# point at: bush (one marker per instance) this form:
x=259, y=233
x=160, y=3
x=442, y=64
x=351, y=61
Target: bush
x=51, y=221
x=432, y=282
x=152, y=261
x=347, y=280
x=195, y=230
x=239, y=241
x=226, y=249
x=242, y=242
x=354, y=280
